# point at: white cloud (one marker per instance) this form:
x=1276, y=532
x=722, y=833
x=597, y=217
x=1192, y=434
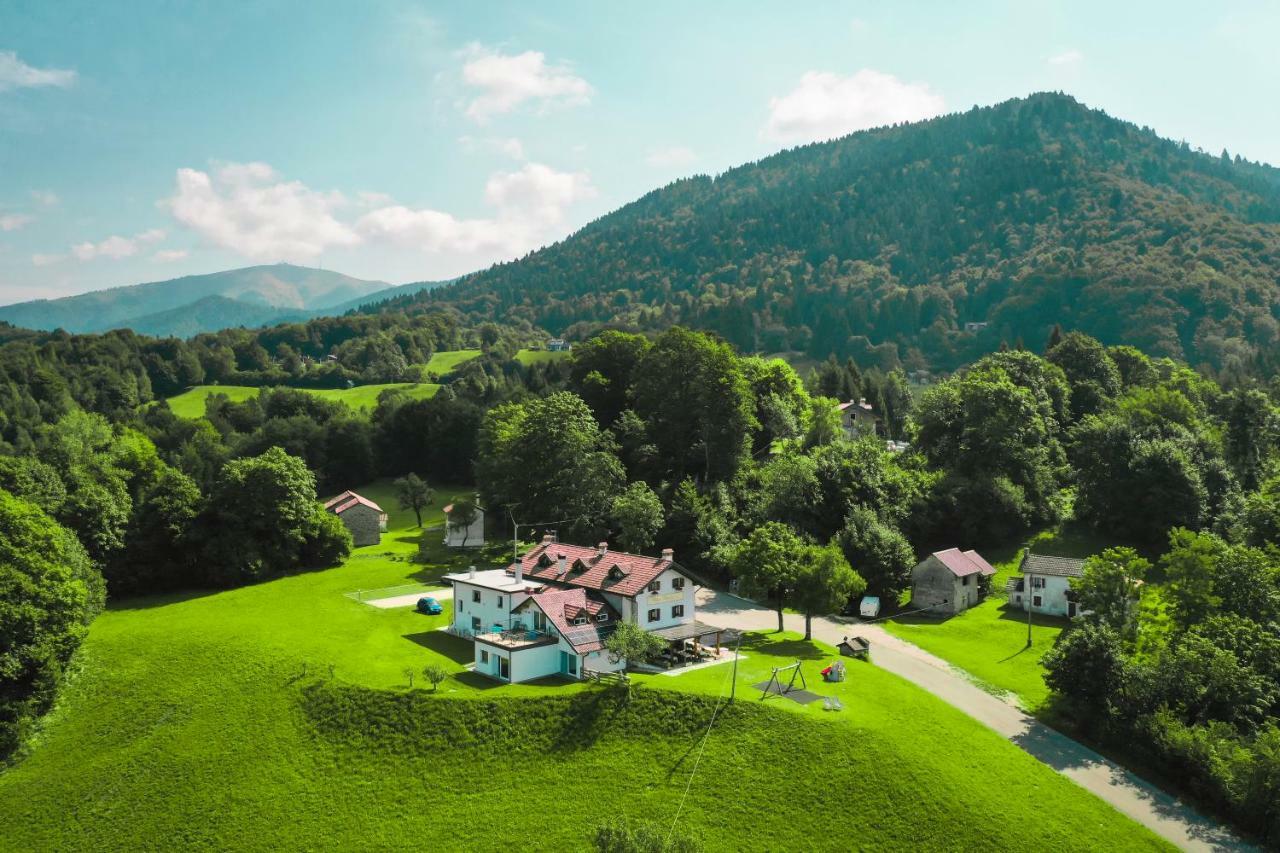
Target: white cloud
x=672, y=156
x=40, y=260
x=505, y=82
x=1067, y=58
x=826, y=105
x=508, y=146
x=117, y=247
x=14, y=221
x=45, y=198
x=530, y=204
x=166, y=256
x=16, y=74
x=247, y=208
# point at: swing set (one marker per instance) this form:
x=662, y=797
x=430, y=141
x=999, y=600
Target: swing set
x=774, y=685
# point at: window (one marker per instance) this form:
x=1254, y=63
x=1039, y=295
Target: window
x=475, y=623
x=539, y=621
x=655, y=614
x=964, y=581
x=484, y=656
x=677, y=584
x=579, y=620
x=499, y=602
x=475, y=596
x=1037, y=583
x=602, y=617
x=655, y=586
x=1035, y=600
x=677, y=611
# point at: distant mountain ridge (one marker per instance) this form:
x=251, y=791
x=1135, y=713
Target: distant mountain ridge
x=928, y=244
x=252, y=296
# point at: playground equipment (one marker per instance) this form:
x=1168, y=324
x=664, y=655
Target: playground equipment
x=774, y=684
x=834, y=672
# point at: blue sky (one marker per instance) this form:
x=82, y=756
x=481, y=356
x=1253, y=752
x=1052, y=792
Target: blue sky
x=405, y=141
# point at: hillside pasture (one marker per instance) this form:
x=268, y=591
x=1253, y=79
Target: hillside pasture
x=280, y=715
x=191, y=403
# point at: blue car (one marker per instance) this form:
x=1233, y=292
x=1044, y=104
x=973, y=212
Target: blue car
x=429, y=606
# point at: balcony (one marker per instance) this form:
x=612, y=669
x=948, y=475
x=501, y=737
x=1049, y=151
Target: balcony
x=515, y=639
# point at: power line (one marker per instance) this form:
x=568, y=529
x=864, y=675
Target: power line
x=702, y=747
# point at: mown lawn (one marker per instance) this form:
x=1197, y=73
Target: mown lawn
x=191, y=403
x=278, y=716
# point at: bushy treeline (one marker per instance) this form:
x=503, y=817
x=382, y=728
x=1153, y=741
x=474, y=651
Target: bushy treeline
x=883, y=245
x=1195, y=690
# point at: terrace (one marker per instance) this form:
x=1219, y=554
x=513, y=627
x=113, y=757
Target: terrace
x=515, y=639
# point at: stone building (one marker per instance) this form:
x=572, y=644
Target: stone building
x=364, y=518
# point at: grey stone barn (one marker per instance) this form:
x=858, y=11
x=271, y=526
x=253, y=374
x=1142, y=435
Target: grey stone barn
x=947, y=581
x=364, y=518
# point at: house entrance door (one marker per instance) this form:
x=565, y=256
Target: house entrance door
x=504, y=669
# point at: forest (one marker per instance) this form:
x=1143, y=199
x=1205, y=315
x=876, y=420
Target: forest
x=742, y=467
x=927, y=245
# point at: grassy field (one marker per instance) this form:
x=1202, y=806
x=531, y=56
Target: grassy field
x=444, y=362
x=529, y=357
x=278, y=716
x=989, y=641
x=191, y=403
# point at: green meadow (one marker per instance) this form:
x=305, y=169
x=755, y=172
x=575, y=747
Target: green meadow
x=280, y=716
x=191, y=403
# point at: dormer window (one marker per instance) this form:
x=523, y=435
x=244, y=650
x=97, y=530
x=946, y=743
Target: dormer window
x=580, y=620
x=602, y=617
x=615, y=572
x=544, y=559
x=579, y=566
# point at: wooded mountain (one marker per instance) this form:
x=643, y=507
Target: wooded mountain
x=884, y=244
x=253, y=296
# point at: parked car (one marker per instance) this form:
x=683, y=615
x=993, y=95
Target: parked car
x=429, y=606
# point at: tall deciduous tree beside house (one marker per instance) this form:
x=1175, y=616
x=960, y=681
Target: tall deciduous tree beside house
x=824, y=583
x=637, y=516
x=1111, y=586
x=413, y=493
x=547, y=458
x=767, y=563
x=462, y=516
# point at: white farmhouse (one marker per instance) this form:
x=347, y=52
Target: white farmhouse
x=459, y=535
x=550, y=612
x=1045, y=585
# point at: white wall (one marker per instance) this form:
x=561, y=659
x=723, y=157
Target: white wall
x=488, y=609
x=1053, y=596
x=664, y=599
x=475, y=533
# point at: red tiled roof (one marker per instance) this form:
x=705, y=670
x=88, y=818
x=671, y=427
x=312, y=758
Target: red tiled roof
x=635, y=571
x=345, y=501
x=983, y=565
x=562, y=606
x=960, y=563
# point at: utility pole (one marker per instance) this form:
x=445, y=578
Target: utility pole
x=1026, y=592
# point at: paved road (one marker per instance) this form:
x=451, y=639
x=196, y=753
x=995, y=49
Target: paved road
x=1142, y=801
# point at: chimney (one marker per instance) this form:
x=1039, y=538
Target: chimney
x=519, y=578
x=546, y=539
x=562, y=568
x=668, y=555
x=601, y=548
x=472, y=573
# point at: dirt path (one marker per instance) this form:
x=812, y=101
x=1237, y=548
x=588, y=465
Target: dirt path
x=1140, y=800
